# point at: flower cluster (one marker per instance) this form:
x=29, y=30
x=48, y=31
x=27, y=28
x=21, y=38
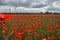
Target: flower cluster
x=30, y=27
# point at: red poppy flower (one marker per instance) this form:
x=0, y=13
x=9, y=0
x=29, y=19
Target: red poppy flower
x=24, y=23
x=21, y=28
x=1, y=23
x=56, y=27
x=39, y=23
x=30, y=31
x=48, y=25
x=1, y=16
x=4, y=30
x=50, y=29
x=14, y=28
x=13, y=38
x=50, y=38
x=27, y=38
x=4, y=17
x=17, y=35
x=43, y=39
x=22, y=32
x=35, y=19
x=16, y=21
x=24, y=26
x=25, y=30
x=34, y=25
x=37, y=34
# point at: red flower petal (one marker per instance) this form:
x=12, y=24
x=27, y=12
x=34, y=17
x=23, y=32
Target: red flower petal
x=48, y=25
x=50, y=38
x=56, y=27
x=4, y=17
x=16, y=21
x=50, y=29
x=17, y=35
x=39, y=23
x=1, y=23
x=7, y=17
x=35, y=19
x=34, y=25
x=30, y=31
x=24, y=23
x=27, y=38
x=4, y=30
x=14, y=28
x=43, y=39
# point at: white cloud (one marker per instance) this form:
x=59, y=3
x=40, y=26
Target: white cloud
x=38, y=2
x=34, y=10
x=31, y=10
x=13, y=9
x=56, y=4
x=34, y=6
x=6, y=9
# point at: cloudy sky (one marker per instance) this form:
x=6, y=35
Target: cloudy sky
x=29, y=6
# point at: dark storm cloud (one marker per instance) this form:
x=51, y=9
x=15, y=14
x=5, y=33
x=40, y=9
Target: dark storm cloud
x=39, y=6
x=24, y=3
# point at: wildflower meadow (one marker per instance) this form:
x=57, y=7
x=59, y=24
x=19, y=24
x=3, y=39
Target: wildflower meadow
x=29, y=26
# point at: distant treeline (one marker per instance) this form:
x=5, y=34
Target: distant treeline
x=33, y=13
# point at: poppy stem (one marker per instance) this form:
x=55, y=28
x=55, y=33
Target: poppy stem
x=10, y=34
x=5, y=37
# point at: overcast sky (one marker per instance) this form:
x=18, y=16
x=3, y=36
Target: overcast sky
x=30, y=6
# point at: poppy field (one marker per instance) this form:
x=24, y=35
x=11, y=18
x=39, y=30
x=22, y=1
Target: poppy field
x=29, y=27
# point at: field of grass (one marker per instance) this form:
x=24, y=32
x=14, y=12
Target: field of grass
x=29, y=27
